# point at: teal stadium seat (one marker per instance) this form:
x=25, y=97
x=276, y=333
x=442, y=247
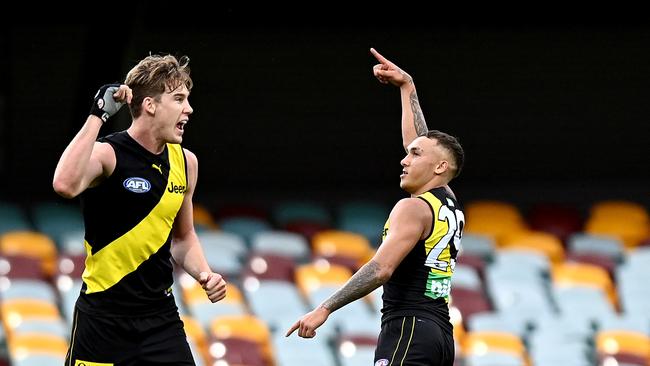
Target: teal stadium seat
x=39, y=360
x=632, y=280
x=55, y=327
x=244, y=226
x=13, y=218
x=356, y=351
x=57, y=219
x=300, y=211
x=365, y=218
x=294, y=351
x=281, y=243
x=630, y=322
x=476, y=244
x=583, y=243
x=494, y=359
x=466, y=277
x=72, y=243
x=224, y=251
x=278, y=303
x=497, y=322
x=28, y=289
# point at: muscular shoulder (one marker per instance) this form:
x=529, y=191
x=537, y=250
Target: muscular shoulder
x=411, y=208
x=105, y=155
x=192, y=167
x=191, y=158
x=103, y=148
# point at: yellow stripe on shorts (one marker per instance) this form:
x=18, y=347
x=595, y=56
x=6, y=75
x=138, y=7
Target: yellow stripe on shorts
x=88, y=363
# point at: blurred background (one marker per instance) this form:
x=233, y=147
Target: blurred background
x=299, y=149
x=556, y=111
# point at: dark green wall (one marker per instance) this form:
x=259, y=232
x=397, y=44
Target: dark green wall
x=555, y=111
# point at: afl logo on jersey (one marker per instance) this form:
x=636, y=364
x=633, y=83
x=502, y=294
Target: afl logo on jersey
x=137, y=185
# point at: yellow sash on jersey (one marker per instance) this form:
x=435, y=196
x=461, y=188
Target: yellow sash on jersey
x=126, y=253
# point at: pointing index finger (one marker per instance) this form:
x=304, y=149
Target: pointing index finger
x=292, y=329
x=379, y=57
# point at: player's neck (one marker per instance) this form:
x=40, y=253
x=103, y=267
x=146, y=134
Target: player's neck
x=436, y=182
x=145, y=137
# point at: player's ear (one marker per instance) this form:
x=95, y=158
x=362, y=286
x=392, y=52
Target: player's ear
x=149, y=105
x=441, y=167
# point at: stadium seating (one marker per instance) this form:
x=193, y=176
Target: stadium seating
x=294, y=351
x=202, y=309
x=13, y=218
x=619, y=209
x=478, y=245
x=538, y=241
x=366, y=218
x=245, y=327
x=281, y=243
x=278, y=303
x=237, y=352
x=343, y=246
x=287, y=212
x=269, y=267
x=479, y=345
x=21, y=266
x=31, y=244
x=580, y=274
x=615, y=342
x=23, y=346
x=570, y=296
x=244, y=226
x=493, y=219
x=630, y=232
x=196, y=334
x=203, y=219
x=56, y=219
x=36, y=359
x=582, y=243
x=16, y=311
x=224, y=251
x=356, y=351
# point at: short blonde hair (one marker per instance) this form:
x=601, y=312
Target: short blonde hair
x=154, y=75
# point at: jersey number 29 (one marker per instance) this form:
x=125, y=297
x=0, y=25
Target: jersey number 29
x=455, y=222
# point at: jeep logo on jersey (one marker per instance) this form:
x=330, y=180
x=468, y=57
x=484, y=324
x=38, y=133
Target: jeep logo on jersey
x=137, y=185
x=173, y=188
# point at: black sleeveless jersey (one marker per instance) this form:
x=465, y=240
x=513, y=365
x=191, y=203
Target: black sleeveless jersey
x=128, y=219
x=421, y=283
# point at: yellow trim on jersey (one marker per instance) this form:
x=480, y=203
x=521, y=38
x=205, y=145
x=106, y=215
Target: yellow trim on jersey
x=126, y=253
x=439, y=230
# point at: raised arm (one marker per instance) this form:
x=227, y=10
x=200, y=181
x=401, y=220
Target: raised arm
x=84, y=161
x=413, y=123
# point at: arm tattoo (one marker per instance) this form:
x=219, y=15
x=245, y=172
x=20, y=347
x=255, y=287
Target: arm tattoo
x=418, y=118
x=360, y=284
